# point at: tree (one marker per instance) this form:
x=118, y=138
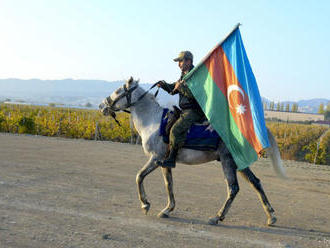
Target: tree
x=287, y=107
x=327, y=115
x=88, y=105
x=282, y=107
x=321, y=109
x=294, y=107
x=265, y=105
x=278, y=106
x=271, y=106
x=327, y=112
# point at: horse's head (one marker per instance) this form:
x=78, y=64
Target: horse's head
x=120, y=99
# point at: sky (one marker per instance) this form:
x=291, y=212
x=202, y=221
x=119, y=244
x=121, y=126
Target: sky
x=287, y=41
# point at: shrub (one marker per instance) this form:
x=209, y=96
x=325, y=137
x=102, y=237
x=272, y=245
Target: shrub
x=26, y=125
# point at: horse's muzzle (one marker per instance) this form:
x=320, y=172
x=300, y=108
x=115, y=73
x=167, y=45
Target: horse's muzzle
x=105, y=110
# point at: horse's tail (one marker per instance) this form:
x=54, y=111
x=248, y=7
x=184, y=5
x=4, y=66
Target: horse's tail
x=275, y=156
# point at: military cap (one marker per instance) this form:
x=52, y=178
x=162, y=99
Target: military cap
x=184, y=55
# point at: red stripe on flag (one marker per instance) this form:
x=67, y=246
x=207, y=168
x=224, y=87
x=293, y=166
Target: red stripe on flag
x=224, y=76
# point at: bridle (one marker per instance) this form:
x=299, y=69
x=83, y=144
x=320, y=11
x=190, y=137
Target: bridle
x=128, y=94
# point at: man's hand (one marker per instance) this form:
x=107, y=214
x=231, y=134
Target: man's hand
x=177, y=85
x=161, y=83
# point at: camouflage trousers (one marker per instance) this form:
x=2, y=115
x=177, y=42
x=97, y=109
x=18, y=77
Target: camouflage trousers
x=178, y=133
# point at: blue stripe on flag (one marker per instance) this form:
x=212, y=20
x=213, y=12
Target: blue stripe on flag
x=235, y=52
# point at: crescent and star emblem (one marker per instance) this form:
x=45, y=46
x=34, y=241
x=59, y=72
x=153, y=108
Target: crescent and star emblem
x=240, y=109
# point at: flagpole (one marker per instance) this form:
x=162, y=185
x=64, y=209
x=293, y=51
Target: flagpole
x=206, y=57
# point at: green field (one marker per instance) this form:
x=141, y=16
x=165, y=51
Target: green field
x=300, y=142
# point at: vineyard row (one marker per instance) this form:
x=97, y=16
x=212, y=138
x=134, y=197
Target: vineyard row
x=296, y=141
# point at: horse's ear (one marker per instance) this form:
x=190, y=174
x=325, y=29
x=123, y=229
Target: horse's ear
x=129, y=81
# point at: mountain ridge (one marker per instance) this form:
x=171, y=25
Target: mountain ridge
x=79, y=92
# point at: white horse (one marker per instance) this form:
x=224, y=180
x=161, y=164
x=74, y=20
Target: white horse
x=146, y=114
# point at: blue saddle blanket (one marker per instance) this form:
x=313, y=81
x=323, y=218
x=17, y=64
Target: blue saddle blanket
x=199, y=137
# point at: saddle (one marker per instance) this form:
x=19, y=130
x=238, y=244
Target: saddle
x=171, y=117
x=201, y=136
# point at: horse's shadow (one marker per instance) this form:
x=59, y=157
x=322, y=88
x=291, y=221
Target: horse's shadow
x=274, y=229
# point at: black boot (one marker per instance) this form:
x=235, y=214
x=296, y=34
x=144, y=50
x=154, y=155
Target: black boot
x=169, y=162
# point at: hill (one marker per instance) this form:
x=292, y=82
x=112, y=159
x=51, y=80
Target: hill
x=67, y=92
x=78, y=93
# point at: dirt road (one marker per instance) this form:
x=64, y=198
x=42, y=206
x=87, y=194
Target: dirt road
x=74, y=193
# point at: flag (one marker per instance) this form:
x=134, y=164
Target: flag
x=226, y=89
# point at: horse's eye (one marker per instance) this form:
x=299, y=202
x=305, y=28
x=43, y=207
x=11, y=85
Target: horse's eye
x=109, y=100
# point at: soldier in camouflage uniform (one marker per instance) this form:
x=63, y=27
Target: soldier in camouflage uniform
x=191, y=111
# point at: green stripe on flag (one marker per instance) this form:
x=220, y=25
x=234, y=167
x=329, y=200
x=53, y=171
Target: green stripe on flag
x=216, y=109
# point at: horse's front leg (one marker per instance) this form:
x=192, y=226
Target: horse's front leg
x=147, y=168
x=168, y=179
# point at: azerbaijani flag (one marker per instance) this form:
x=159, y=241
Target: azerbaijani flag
x=226, y=89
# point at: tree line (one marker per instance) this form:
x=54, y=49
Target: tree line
x=279, y=106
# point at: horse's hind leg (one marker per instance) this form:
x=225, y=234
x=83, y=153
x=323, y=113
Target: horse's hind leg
x=167, y=174
x=229, y=169
x=147, y=168
x=256, y=184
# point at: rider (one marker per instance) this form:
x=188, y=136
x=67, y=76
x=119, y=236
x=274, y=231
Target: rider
x=191, y=111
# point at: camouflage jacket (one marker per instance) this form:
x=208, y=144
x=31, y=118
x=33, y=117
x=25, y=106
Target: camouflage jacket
x=186, y=98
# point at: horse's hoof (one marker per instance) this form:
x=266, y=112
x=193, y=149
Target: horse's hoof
x=145, y=208
x=271, y=221
x=213, y=221
x=162, y=215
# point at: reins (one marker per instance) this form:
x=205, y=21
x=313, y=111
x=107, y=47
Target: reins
x=128, y=94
